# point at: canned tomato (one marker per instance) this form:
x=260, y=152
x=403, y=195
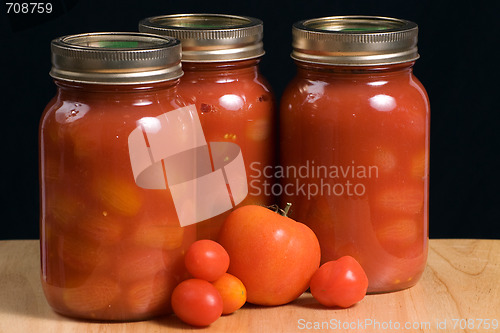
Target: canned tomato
x=354, y=128
x=111, y=242
x=220, y=58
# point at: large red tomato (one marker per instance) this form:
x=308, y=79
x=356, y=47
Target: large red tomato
x=273, y=255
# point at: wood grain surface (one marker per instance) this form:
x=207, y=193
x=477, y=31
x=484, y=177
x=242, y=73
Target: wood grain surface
x=459, y=292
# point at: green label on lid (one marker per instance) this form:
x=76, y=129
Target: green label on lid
x=119, y=44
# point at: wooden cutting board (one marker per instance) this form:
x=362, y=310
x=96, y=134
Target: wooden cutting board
x=459, y=292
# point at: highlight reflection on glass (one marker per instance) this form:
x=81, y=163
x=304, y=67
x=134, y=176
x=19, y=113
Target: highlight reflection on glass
x=231, y=102
x=383, y=102
x=149, y=124
x=315, y=91
x=70, y=112
x=377, y=83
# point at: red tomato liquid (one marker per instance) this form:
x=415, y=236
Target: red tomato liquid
x=363, y=137
x=110, y=250
x=235, y=104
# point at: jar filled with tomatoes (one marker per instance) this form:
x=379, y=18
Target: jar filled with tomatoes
x=220, y=59
x=354, y=128
x=111, y=243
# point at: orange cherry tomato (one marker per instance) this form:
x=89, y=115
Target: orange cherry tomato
x=197, y=302
x=341, y=282
x=233, y=292
x=206, y=260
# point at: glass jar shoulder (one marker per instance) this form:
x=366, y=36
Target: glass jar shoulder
x=226, y=86
x=108, y=105
x=218, y=89
x=378, y=92
x=95, y=125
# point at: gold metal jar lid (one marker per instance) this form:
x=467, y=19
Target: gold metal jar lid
x=355, y=40
x=210, y=37
x=116, y=58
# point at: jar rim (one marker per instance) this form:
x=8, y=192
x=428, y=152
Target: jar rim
x=210, y=37
x=115, y=58
x=355, y=40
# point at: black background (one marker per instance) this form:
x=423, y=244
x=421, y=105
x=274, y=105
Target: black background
x=458, y=67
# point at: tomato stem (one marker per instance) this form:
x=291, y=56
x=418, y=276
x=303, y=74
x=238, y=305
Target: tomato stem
x=283, y=212
x=287, y=208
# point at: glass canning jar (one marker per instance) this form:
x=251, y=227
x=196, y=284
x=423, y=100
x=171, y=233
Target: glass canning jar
x=111, y=244
x=220, y=59
x=354, y=126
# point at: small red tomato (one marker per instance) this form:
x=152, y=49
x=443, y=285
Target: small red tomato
x=341, y=282
x=206, y=260
x=197, y=302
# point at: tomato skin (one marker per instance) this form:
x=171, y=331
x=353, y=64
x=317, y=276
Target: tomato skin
x=341, y=283
x=273, y=255
x=197, y=302
x=206, y=260
x=233, y=292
